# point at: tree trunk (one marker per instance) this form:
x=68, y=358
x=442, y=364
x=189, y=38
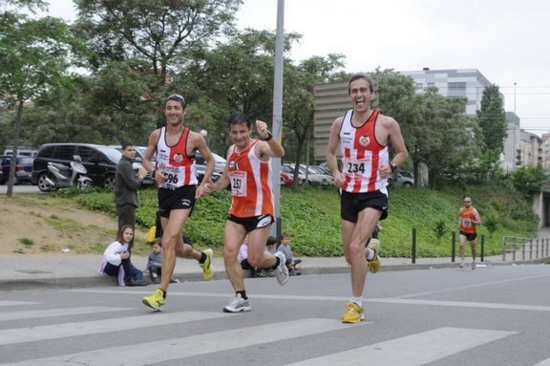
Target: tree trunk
x=16, y=136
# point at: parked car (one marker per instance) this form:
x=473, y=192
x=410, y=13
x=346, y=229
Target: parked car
x=288, y=178
x=220, y=161
x=321, y=169
x=404, y=179
x=23, y=169
x=99, y=160
x=309, y=175
x=21, y=151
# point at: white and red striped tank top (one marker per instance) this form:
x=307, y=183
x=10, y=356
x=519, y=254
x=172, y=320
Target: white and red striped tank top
x=251, y=185
x=178, y=167
x=362, y=156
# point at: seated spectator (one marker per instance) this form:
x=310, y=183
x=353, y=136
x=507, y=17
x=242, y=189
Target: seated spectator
x=203, y=258
x=116, y=260
x=291, y=263
x=242, y=257
x=154, y=263
x=270, y=247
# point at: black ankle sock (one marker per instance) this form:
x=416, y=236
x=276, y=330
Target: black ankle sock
x=276, y=263
x=243, y=294
x=163, y=293
x=203, y=258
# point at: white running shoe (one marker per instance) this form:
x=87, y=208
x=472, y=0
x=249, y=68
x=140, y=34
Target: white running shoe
x=281, y=272
x=237, y=305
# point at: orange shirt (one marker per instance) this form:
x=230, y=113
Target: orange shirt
x=250, y=180
x=466, y=216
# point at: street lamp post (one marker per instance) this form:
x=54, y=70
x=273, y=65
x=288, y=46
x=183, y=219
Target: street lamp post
x=278, y=114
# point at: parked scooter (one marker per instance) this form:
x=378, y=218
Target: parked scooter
x=62, y=176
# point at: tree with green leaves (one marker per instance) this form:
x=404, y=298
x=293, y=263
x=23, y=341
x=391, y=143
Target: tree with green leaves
x=529, y=180
x=491, y=118
x=34, y=54
x=139, y=49
x=160, y=32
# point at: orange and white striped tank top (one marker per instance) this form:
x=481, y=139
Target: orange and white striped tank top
x=251, y=185
x=178, y=167
x=362, y=156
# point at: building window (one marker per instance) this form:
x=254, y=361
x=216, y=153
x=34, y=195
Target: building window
x=457, y=89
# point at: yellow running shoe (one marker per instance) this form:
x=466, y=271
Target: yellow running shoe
x=207, y=269
x=374, y=264
x=353, y=314
x=155, y=301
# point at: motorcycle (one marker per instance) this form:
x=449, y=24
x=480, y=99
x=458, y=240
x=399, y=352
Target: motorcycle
x=62, y=176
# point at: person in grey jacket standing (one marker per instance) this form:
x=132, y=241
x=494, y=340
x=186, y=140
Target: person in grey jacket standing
x=127, y=183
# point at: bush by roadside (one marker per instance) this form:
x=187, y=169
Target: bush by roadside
x=312, y=218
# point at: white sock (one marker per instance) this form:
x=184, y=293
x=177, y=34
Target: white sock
x=357, y=300
x=370, y=257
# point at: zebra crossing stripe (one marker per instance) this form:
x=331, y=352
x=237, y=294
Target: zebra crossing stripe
x=417, y=349
x=180, y=348
x=31, y=334
x=16, y=303
x=33, y=314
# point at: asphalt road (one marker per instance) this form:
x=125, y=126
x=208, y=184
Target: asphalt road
x=20, y=188
x=441, y=317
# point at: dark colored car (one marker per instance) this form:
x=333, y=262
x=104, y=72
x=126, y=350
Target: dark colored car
x=99, y=160
x=23, y=169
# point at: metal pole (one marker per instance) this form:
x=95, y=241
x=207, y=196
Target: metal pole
x=453, y=246
x=278, y=113
x=504, y=248
x=414, y=245
x=514, y=247
x=482, y=247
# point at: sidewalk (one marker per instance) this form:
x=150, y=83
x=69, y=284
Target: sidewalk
x=68, y=270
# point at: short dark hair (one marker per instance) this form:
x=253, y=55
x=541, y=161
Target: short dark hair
x=271, y=240
x=364, y=77
x=177, y=98
x=127, y=143
x=239, y=119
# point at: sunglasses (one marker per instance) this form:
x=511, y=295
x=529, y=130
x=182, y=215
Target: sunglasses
x=467, y=201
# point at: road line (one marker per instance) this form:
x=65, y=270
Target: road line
x=180, y=348
x=477, y=285
x=16, y=303
x=32, y=314
x=45, y=332
x=414, y=350
x=389, y=300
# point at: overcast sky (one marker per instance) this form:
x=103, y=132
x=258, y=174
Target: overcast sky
x=506, y=40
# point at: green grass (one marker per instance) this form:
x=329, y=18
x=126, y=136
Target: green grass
x=312, y=218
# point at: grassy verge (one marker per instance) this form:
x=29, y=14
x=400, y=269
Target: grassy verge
x=311, y=216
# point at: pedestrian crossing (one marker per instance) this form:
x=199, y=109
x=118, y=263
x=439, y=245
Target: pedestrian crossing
x=410, y=350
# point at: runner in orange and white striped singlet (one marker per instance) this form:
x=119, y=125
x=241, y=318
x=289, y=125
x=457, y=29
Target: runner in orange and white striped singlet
x=251, y=184
x=248, y=172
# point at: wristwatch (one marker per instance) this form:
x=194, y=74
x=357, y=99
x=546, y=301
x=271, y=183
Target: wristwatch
x=393, y=166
